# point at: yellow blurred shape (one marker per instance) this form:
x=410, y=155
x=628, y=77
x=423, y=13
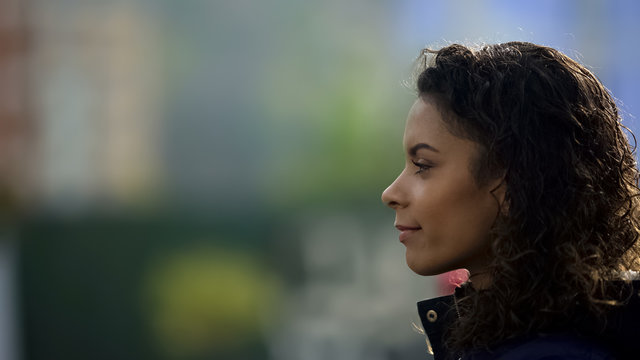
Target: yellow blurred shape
x=207, y=299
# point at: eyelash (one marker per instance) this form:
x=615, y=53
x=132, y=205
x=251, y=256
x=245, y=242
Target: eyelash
x=421, y=167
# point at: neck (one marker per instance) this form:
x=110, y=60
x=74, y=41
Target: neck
x=479, y=280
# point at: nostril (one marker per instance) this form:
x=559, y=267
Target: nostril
x=392, y=204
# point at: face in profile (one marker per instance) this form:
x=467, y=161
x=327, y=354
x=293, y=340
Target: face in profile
x=443, y=214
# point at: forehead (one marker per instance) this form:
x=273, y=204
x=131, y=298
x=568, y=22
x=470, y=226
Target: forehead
x=425, y=124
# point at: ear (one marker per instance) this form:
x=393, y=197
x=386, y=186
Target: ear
x=498, y=189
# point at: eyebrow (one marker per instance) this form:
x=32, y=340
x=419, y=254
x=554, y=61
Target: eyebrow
x=414, y=149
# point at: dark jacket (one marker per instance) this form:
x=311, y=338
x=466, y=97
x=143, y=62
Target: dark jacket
x=620, y=340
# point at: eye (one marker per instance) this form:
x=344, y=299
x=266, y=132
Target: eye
x=421, y=167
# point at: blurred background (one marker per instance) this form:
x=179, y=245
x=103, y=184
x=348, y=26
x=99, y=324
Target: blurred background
x=200, y=179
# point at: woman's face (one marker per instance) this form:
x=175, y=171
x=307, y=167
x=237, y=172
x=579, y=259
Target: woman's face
x=443, y=215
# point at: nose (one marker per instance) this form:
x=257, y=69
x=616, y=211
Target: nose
x=391, y=196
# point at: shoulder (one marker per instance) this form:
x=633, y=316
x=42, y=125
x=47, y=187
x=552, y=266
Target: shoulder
x=618, y=340
x=549, y=347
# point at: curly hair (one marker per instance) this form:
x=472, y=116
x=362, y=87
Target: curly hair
x=569, y=221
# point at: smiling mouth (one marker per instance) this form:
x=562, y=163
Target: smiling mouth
x=407, y=231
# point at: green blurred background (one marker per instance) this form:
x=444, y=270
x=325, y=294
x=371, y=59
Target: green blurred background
x=200, y=179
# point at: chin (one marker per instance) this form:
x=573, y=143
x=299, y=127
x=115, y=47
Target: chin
x=431, y=267
x=427, y=270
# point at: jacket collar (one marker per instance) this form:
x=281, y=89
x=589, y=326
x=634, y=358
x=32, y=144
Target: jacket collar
x=437, y=315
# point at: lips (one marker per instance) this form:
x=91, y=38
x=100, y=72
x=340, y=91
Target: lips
x=407, y=231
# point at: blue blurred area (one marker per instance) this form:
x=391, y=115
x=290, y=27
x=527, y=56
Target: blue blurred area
x=200, y=179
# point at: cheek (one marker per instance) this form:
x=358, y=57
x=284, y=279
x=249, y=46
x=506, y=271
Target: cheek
x=457, y=210
x=471, y=219
x=441, y=199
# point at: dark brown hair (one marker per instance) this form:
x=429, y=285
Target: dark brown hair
x=570, y=220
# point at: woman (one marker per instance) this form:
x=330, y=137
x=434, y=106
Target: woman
x=517, y=169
